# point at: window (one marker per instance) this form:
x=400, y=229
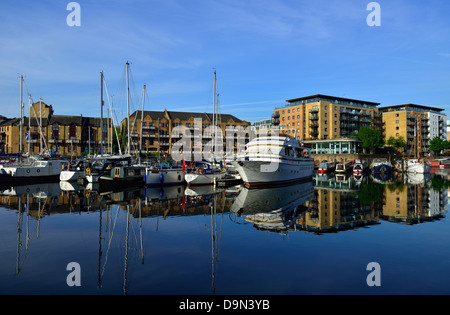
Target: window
x=396, y=128
x=396, y=121
x=55, y=131
x=72, y=131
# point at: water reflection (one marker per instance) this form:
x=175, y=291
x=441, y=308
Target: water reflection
x=327, y=204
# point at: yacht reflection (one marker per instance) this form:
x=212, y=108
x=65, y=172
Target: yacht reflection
x=273, y=209
x=417, y=179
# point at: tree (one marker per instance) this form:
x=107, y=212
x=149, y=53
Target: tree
x=397, y=143
x=437, y=145
x=371, y=138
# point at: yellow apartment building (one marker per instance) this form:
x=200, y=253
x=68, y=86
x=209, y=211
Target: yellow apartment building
x=417, y=124
x=59, y=134
x=325, y=121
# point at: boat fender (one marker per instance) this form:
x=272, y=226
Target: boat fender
x=28, y=171
x=161, y=178
x=161, y=193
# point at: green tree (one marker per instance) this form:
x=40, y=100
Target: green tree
x=397, y=143
x=436, y=145
x=370, y=138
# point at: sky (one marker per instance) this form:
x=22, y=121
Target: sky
x=263, y=51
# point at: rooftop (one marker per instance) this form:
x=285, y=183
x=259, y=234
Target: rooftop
x=184, y=115
x=328, y=98
x=410, y=107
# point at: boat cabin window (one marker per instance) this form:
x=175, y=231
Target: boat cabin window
x=289, y=151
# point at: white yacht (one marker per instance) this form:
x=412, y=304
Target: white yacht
x=416, y=166
x=274, y=160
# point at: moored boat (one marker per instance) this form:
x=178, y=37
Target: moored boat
x=164, y=176
x=72, y=172
x=204, y=173
x=34, y=170
x=360, y=167
x=274, y=160
x=326, y=167
x=416, y=166
x=344, y=167
x=119, y=170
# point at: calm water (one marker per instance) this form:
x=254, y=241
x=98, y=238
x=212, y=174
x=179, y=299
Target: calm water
x=311, y=238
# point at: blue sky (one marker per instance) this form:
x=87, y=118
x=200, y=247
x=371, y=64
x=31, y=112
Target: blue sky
x=264, y=52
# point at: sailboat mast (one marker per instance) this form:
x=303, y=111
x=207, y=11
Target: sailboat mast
x=101, y=113
x=142, y=118
x=21, y=118
x=40, y=125
x=128, y=110
x=29, y=125
x=214, y=118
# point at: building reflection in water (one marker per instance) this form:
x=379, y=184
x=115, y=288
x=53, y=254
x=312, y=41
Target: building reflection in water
x=339, y=204
x=415, y=198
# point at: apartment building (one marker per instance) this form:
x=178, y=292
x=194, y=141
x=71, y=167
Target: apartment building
x=326, y=122
x=417, y=124
x=156, y=129
x=262, y=127
x=59, y=134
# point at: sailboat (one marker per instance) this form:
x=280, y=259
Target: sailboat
x=207, y=172
x=415, y=165
x=120, y=169
x=36, y=168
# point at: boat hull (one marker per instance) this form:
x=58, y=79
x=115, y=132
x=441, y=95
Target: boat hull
x=71, y=175
x=45, y=171
x=164, y=177
x=418, y=168
x=203, y=179
x=286, y=172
